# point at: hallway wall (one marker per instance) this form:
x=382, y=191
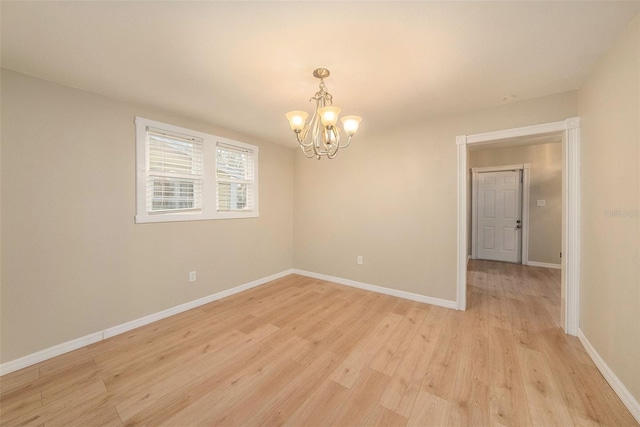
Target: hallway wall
x=545, y=223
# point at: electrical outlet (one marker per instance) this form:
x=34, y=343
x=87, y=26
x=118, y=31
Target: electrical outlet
x=192, y=276
x=359, y=260
x=541, y=203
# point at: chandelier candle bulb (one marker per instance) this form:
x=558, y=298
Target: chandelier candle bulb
x=321, y=137
x=329, y=116
x=297, y=120
x=350, y=124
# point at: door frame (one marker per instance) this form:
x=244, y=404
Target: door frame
x=524, y=206
x=570, y=292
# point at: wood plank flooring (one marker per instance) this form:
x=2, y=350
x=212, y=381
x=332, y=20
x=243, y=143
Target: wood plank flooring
x=304, y=352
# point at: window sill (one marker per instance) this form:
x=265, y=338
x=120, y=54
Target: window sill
x=183, y=216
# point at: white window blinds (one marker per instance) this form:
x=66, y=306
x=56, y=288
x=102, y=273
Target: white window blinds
x=235, y=178
x=174, y=171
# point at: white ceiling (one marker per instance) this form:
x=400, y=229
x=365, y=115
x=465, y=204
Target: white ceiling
x=242, y=65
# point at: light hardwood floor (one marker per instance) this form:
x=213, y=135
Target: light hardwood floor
x=304, y=352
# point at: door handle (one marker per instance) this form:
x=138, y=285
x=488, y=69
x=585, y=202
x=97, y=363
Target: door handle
x=518, y=226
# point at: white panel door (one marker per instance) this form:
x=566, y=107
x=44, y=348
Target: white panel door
x=499, y=214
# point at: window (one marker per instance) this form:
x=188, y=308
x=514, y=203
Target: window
x=234, y=177
x=187, y=175
x=174, y=171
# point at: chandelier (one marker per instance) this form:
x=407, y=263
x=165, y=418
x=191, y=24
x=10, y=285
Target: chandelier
x=322, y=129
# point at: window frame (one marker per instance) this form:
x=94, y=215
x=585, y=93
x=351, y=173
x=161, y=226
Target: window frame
x=209, y=181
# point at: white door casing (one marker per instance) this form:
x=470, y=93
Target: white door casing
x=499, y=215
x=570, y=299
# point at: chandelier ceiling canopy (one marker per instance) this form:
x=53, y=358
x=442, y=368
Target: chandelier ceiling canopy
x=321, y=136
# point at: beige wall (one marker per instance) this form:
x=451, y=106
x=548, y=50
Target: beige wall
x=392, y=198
x=608, y=105
x=73, y=261
x=545, y=223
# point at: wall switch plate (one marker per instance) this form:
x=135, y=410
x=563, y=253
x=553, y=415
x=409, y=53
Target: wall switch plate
x=192, y=276
x=359, y=260
x=541, y=203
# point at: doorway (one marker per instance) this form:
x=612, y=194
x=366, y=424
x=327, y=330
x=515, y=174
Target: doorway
x=570, y=130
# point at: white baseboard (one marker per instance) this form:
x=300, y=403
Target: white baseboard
x=379, y=289
x=623, y=393
x=77, y=343
x=50, y=352
x=543, y=264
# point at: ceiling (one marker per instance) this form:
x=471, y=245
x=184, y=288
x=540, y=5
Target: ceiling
x=242, y=65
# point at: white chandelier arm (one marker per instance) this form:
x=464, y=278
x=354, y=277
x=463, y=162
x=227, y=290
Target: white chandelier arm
x=333, y=153
x=308, y=153
x=301, y=140
x=327, y=136
x=312, y=124
x=332, y=150
x=348, y=142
